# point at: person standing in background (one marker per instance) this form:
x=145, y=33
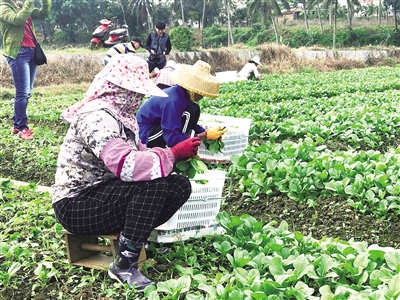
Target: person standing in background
x=159, y=45
x=120, y=48
x=18, y=48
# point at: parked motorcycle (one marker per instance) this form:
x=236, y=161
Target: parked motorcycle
x=115, y=36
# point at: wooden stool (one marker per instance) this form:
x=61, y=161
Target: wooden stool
x=85, y=250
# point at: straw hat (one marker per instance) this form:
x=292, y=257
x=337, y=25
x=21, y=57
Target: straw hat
x=256, y=59
x=197, y=79
x=132, y=73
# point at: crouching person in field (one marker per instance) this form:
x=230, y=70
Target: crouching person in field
x=250, y=70
x=107, y=181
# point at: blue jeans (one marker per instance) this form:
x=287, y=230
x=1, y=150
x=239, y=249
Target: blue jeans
x=23, y=70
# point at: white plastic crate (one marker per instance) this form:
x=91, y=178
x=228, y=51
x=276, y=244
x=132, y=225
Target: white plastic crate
x=197, y=216
x=162, y=236
x=236, y=139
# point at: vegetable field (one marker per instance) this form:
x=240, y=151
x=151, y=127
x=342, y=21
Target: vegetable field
x=323, y=165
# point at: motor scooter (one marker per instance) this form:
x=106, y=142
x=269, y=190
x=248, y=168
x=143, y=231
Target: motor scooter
x=116, y=36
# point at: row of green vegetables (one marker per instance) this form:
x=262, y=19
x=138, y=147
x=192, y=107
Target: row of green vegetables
x=250, y=261
x=311, y=85
x=361, y=113
x=357, y=120
x=297, y=119
x=368, y=180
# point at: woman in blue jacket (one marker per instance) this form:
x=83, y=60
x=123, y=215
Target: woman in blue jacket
x=168, y=121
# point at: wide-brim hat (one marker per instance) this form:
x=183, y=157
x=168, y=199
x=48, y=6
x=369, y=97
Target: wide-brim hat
x=132, y=73
x=256, y=59
x=197, y=79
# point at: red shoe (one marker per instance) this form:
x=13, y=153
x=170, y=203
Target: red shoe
x=14, y=130
x=26, y=134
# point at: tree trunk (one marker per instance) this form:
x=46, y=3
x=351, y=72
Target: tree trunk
x=334, y=25
x=349, y=15
x=319, y=19
x=230, y=36
x=305, y=15
x=123, y=11
x=183, y=16
x=202, y=24
x=330, y=15
x=380, y=13
x=275, y=29
x=396, y=29
x=150, y=22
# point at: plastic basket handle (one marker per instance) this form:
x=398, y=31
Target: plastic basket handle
x=228, y=193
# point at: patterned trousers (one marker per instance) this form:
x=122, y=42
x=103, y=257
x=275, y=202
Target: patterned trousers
x=135, y=208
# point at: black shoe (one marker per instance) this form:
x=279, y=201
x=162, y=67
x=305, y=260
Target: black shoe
x=124, y=268
x=130, y=276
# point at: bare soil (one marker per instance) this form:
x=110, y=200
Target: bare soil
x=331, y=217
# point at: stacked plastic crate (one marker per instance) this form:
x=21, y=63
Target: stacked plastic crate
x=236, y=139
x=196, y=217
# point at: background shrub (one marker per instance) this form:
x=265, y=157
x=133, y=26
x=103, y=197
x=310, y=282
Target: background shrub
x=215, y=36
x=182, y=38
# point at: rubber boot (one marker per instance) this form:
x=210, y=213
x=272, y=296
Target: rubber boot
x=125, y=267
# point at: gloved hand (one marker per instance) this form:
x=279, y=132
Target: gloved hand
x=215, y=134
x=186, y=149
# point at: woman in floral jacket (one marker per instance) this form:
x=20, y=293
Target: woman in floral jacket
x=107, y=181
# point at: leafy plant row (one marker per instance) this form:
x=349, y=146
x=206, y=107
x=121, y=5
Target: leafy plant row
x=308, y=85
x=359, y=119
x=250, y=261
x=369, y=180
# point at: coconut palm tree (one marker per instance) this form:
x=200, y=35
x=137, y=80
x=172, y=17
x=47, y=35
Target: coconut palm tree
x=177, y=5
x=332, y=7
x=305, y=14
x=123, y=11
x=351, y=4
x=268, y=9
x=228, y=5
x=143, y=9
x=380, y=12
x=183, y=15
x=316, y=4
x=202, y=23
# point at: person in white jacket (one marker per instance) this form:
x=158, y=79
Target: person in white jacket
x=249, y=70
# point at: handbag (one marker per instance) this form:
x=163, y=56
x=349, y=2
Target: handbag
x=39, y=57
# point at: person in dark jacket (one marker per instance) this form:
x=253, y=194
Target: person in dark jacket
x=159, y=45
x=168, y=121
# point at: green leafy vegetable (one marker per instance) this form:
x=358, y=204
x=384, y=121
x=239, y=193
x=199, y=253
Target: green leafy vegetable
x=214, y=146
x=190, y=167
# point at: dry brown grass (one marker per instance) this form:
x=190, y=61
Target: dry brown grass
x=60, y=70
x=279, y=59
x=69, y=72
